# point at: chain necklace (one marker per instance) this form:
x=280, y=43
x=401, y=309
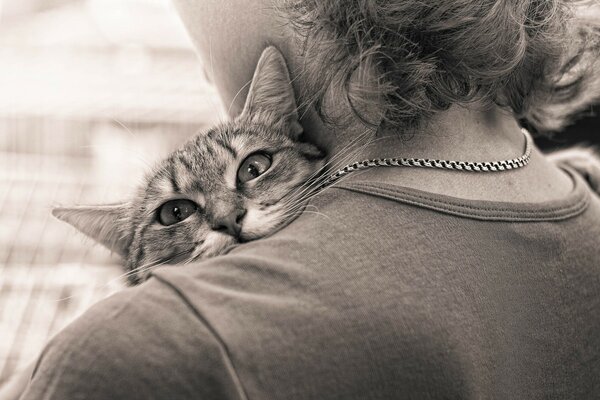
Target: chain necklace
x=469, y=166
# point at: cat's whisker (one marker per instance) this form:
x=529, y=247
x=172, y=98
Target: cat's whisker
x=212, y=77
x=152, y=264
x=349, y=146
x=298, y=199
x=298, y=203
x=290, y=212
x=175, y=256
x=141, y=268
x=159, y=169
x=136, y=155
x=148, y=266
x=344, y=151
x=194, y=257
x=197, y=253
x=104, y=285
x=349, y=157
x=318, y=213
x=304, y=210
x=312, y=182
x=301, y=207
x=340, y=180
x=305, y=105
x=122, y=125
x=301, y=198
x=341, y=154
x=347, y=153
x=236, y=95
x=294, y=211
x=310, y=191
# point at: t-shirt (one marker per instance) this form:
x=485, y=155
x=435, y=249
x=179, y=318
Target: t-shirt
x=375, y=292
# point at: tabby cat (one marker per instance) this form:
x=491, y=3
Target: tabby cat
x=238, y=181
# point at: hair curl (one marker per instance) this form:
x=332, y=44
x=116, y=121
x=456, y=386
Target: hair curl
x=413, y=58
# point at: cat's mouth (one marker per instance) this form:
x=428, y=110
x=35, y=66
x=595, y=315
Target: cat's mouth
x=244, y=239
x=214, y=244
x=268, y=224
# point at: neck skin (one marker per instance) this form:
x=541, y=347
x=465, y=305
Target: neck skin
x=462, y=134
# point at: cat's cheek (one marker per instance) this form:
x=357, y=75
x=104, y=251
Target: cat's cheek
x=259, y=223
x=215, y=243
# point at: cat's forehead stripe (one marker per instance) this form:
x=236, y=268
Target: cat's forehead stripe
x=207, y=151
x=223, y=143
x=239, y=142
x=222, y=153
x=183, y=176
x=173, y=176
x=184, y=160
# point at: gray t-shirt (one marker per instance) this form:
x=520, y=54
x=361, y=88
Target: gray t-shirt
x=375, y=292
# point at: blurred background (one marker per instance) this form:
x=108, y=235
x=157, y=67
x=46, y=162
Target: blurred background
x=91, y=93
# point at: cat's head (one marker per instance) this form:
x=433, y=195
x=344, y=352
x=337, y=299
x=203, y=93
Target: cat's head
x=238, y=181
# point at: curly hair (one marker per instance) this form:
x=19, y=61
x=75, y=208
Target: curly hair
x=413, y=58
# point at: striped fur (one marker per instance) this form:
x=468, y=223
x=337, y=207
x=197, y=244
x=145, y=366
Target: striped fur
x=204, y=171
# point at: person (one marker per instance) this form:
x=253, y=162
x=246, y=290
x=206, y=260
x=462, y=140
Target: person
x=419, y=283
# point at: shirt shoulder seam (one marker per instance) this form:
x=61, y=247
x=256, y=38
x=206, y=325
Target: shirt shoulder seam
x=225, y=352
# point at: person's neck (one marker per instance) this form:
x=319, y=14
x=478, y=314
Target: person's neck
x=460, y=134
x=456, y=134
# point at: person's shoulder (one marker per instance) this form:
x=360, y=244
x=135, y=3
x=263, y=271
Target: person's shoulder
x=583, y=160
x=143, y=342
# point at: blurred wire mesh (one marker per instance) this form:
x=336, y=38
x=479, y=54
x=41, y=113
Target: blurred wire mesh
x=91, y=93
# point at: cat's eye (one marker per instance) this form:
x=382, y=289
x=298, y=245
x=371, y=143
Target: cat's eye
x=175, y=211
x=253, y=166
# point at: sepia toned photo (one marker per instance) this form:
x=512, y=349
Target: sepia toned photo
x=299, y=199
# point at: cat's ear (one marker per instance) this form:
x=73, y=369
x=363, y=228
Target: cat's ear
x=271, y=91
x=103, y=223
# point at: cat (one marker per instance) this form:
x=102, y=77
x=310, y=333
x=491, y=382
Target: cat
x=239, y=181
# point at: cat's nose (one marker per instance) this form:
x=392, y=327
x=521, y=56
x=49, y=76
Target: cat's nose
x=230, y=223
